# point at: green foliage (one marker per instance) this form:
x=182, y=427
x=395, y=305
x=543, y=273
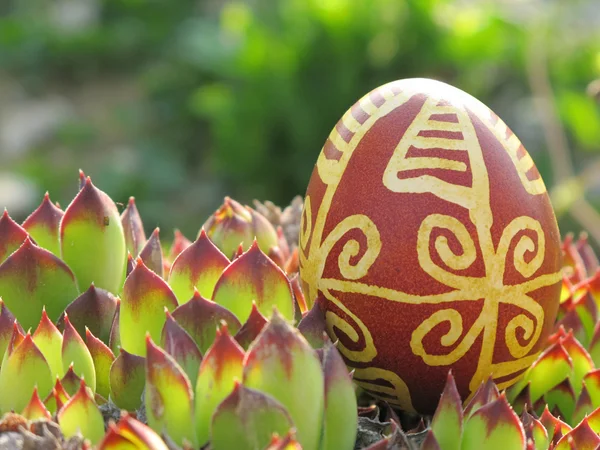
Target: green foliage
x=183, y=94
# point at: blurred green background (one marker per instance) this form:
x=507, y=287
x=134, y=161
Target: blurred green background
x=179, y=103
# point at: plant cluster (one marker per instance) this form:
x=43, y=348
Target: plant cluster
x=199, y=339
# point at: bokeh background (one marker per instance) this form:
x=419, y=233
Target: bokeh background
x=179, y=103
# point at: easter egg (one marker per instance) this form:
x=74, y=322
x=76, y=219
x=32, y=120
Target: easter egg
x=429, y=240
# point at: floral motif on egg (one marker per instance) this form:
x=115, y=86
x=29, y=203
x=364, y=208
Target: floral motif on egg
x=429, y=238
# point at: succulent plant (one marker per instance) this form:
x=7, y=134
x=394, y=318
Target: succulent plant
x=200, y=339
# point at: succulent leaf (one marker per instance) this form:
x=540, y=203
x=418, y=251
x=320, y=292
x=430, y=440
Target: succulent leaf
x=341, y=421
x=592, y=384
x=35, y=409
x=430, y=442
x=282, y=363
x=201, y=317
x=57, y=397
x=23, y=369
x=199, y=267
x=253, y=276
x=180, y=243
x=140, y=435
x=447, y=422
x=233, y=224
x=92, y=240
x=7, y=324
x=74, y=351
x=94, y=309
x=535, y=432
x=247, y=419
x=103, y=358
x=127, y=380
x=550, y=369
x=43, y=224
x=133, y=228
x=114, y=339
x=71, y=381
x=49, y=341
x=168, y=396
x=31, y=278
x=81, y=415
x=312, y=326
x=152, y=255
x=583, y=406
x=582, y=437
x=180, y=345
x=562, y=398
x=497, y=425
x=251, y=328
x=220, y=367
x=144, y=297
x=12, y=235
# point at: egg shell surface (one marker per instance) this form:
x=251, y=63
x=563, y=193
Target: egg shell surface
x=429, y=239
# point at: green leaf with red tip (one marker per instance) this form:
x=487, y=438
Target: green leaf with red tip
x=12, y=235
x=497, y=425
x=23, y=369
x=312, y=326
x=43, y=224
x=32, y=278
x=562, y=398
x=282, y=363
x=486, y=393
x=144, y=298
x=168, y=396
x=299, y=300
x=92, y=240
x=57, y=398
x=594, y=346
x=594, y=420
x=523, y=400
x=447, y=423
x=81, y=415
x=571, y=321
x=587, y=310
x=134, y=431
x=220, y=367
x=180, y=345
x=582, y=437
x=535, y=432
x=127, y=380
x=152, y=255
x=103, y=358
x=7, y=323
x=552, y=423
x=201, y=317
x=592, y=383
x=583, y=407
x=74, y=351
x=71, y=381
x=94, y=309
x=35, y=409
x=199, y=267
x=112, y=440
x=133, y=228
x=114, y=339
x=251, y=328
x=247, y=419
x=550, y=369
x=49, y=341
x=233, y=224
x=180, y=243
x=253, y=276
x=341, y=421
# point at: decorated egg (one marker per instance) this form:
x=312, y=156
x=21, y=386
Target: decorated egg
x=429, y=240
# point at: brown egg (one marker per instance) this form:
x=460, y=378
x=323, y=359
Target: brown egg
x=429, y=238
